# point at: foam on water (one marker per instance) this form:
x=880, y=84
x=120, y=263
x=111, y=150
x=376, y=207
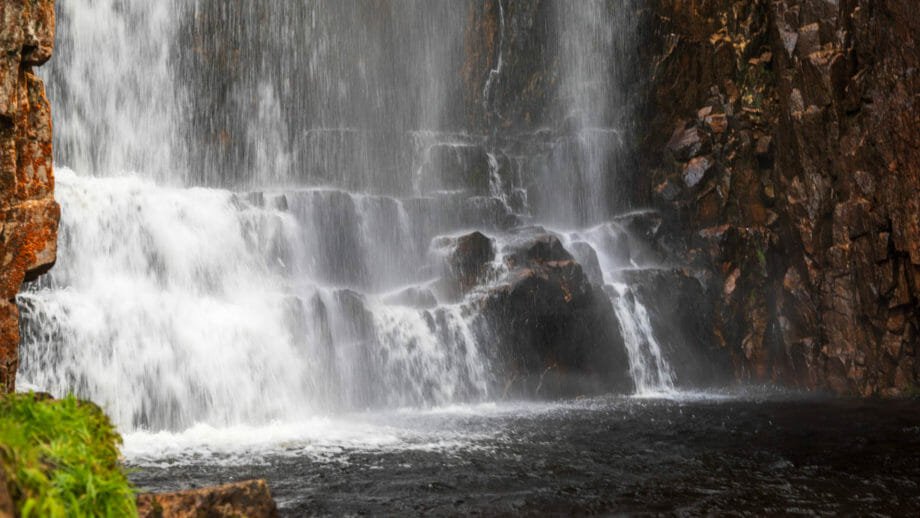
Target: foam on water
x=333, y=438
x=320, y=439
x=446, y=429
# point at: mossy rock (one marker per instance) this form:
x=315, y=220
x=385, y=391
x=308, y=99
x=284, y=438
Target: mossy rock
x=61, y=458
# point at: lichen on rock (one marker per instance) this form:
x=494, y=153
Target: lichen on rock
x=28, y=213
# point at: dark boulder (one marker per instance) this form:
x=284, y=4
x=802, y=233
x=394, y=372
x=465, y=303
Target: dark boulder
x=470, y=260
x=587, y=258
x=7, y=510
x=680, y=311
x=541, y=249
x=558, y=333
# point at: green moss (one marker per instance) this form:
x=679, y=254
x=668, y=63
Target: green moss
x=755, y=81
x=61, y=459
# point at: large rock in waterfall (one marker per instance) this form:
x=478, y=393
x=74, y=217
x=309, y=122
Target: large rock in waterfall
x=554, y=333
x=680, y=309
x=470, y=260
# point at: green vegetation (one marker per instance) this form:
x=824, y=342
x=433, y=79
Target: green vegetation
x=755, y=81
x=61, y=458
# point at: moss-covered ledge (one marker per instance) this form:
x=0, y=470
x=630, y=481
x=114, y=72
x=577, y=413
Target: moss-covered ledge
x=60, y=458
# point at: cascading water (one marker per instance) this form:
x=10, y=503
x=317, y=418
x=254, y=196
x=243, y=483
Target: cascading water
x=258, y=189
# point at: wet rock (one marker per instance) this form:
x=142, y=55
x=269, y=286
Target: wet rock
x=680, y=309
x=470, y=258
x=644, y=224
x=467, y=263
x=763, y=150
x=809, y=40
x=687, y=143
x=696, y=170
x=587, y=258
x=668, y=190
x=558, y=333
x=251, y=499
x=542, y=249
x=718, y=122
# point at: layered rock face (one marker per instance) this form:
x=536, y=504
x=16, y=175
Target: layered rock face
x=28, y=213
x=782, y=144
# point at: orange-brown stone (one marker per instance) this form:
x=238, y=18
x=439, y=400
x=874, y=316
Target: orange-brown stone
x=820, y=150
x=250, y=498
x=28, y=213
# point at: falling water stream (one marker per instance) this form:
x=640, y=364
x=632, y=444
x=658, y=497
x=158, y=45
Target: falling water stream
x=255, y=197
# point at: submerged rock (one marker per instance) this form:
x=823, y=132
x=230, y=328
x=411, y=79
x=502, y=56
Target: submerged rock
x=250, y=498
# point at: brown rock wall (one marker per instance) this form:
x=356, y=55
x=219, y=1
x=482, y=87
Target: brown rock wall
x=806, y=116
x=28, y=213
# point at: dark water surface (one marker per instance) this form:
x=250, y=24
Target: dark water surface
x=692, y=455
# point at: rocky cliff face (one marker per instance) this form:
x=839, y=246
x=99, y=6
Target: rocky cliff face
x=783, y=147
x=28, y=213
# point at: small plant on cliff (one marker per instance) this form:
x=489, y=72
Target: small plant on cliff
x=61, y=458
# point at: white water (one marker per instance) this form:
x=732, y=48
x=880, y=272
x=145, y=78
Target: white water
x=482, y=427
x=648, y=366
x=110, y=81
x=172, y=307
x=650, y=372
x=182, y=309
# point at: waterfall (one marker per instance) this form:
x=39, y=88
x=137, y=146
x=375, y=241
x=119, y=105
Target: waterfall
x=172, y=306
x=613, y=250
x=253, y=194
x=650, y=371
